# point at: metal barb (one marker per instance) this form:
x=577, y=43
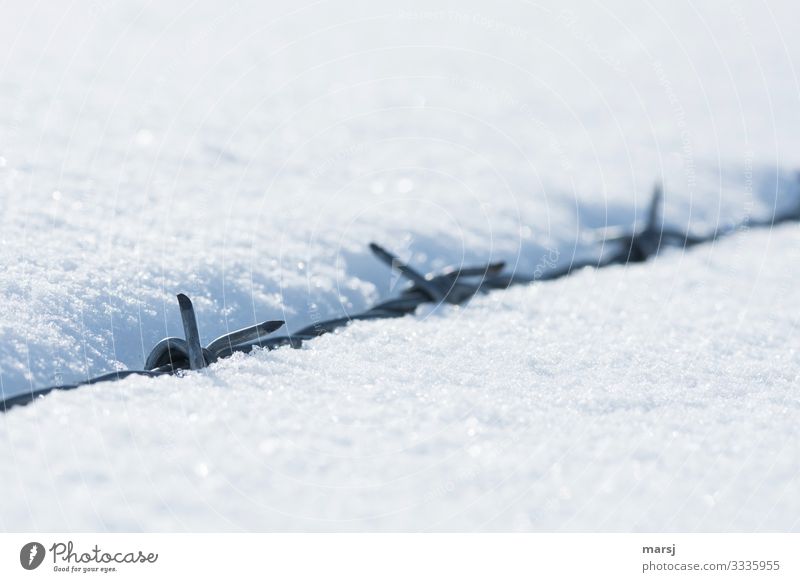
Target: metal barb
x=195, y=351
x=178, y=353
x=645, y=242
x=447, y=287
x=395, y=263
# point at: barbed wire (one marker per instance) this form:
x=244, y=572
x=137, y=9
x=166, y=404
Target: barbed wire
x=454, y=286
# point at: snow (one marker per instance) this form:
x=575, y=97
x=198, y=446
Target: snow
x=644, y=398
x=247, y=157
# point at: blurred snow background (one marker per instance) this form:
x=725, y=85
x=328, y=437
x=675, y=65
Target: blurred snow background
x=246, y=155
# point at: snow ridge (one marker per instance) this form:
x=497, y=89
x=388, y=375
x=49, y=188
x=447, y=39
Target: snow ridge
x=455, y=286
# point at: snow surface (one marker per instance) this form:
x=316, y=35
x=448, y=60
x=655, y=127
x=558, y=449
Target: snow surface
x=246, y=157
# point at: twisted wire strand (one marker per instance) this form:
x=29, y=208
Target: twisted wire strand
x=455, y=286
